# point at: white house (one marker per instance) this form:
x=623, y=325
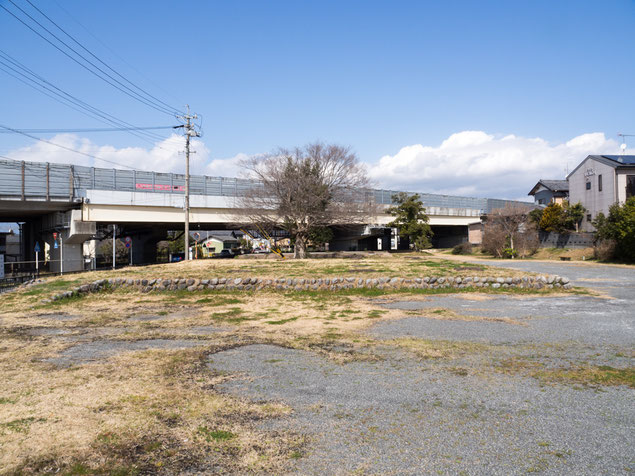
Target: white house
x=599, y=181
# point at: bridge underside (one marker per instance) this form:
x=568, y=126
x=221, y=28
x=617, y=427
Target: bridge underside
x=79, y=223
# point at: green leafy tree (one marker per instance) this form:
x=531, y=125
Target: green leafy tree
x=573, y=216
x=319, y=235
x=411, y=220
x=558, y=218
x=619, y=226
x=535, y=216
x=553, y=218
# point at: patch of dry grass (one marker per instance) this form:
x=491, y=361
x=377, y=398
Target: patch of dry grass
x=139, y=412
x=581, y=374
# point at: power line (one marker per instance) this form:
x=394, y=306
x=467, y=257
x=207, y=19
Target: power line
x=87, y=109
x=65, y=97
x=111, y=129
x=17, y=131
x=127, y=90
x=98, y=59
x=114, y=53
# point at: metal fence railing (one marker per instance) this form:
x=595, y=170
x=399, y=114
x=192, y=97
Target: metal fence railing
x=24, y=180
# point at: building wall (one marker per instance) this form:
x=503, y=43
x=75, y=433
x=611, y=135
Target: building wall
x=593, y=200
x=543, y=197
x=475, y=233
x=622, y=183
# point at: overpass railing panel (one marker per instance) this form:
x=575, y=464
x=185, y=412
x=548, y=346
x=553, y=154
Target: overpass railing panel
x=10, y=178
x=66, y=182
x=35, y=180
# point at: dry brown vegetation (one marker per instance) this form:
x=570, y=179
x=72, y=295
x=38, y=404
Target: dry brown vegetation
x=158, y=411
x=406, y=265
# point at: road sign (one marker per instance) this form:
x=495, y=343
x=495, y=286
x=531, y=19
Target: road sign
x=55, y=237
x=128, y=241
x=37, y=247
x=55, y=245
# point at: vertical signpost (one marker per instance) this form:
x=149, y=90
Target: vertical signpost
x=61, y=255
x=128, y=242
x=61, y=248
x=114, y=245
x=37, y=257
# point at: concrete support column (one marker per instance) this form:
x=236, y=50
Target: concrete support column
x=144, y=247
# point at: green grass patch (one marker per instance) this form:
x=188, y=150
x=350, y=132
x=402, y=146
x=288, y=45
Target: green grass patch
x=215, y=435
x=232, y=316
x=219, y=300
x=20, y=425
x=282, y=321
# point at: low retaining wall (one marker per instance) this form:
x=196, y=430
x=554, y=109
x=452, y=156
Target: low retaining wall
x=571, y=240
x=316, y=284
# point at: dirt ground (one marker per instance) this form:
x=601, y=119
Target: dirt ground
x=120, y=383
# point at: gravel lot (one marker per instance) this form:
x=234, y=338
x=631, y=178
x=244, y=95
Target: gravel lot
x=402, y=415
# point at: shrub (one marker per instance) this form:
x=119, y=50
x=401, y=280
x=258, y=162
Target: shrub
x=604, y=250
x=462, y=249
x=619, y=227
x=509, y=253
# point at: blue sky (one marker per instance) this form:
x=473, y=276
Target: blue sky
x=418, y=89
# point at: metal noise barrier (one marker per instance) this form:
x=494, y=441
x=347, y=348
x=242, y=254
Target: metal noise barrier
x=24, y=180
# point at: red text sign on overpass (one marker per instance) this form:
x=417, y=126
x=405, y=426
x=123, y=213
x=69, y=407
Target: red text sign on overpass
x=149, y=186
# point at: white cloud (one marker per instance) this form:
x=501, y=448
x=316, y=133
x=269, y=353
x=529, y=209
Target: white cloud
x=475, y=163
x=226, y=167
x=468, y=163
x=164, y=156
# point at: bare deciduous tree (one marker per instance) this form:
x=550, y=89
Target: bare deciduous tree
x=508, y=232
x=304, y=188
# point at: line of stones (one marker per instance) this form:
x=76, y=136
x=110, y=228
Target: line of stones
x=332, y=284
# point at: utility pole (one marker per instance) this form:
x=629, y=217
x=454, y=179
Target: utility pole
x=189, y=132
x=114, y=246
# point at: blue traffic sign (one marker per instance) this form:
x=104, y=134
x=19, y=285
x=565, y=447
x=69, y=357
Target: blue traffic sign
x=55, y=245
x=37, y=247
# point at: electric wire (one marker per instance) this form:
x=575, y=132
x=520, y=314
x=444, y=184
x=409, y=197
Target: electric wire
x=111, y=129
x=102, y=62
x=65, y=96
x=127, y=90
x=114, y=53
x=66, y=148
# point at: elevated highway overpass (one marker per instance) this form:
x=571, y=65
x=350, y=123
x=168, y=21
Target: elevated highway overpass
x=81, y=202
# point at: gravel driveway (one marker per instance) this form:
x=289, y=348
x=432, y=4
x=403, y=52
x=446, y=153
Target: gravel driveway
x=403, y=415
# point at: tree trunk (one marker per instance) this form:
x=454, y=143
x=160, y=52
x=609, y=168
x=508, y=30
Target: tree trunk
x=299, y=251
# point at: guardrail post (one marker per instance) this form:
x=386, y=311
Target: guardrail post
x=70, y=180
x=23, y=167
x=48, y=181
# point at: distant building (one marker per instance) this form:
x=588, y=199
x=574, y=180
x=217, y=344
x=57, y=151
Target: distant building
x=221, y=240
x=599, y=182
x=10, y=246
x=550, y=191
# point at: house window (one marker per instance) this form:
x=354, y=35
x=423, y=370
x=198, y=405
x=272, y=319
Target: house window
x=630, y=186
x=541, y=201
x=599, y=183
x=588, y=185
x=588, y=218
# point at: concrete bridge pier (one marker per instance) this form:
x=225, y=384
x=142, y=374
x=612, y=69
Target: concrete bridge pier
x=144, y=246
